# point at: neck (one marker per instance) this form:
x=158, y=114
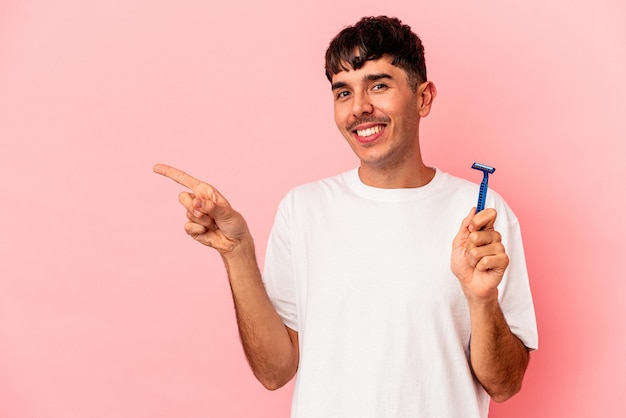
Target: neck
x=395, y=178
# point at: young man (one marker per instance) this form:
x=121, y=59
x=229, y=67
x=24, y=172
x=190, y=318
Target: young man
x=371, y=292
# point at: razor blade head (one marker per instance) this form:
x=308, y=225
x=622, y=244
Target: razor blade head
x=483, y=167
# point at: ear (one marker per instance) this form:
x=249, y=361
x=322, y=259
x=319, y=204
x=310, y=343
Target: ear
x=426, y=93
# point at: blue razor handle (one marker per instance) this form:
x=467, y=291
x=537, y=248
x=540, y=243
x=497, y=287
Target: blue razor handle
x=482, y=194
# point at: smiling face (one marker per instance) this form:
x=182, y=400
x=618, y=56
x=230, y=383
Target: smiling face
x=379, y=113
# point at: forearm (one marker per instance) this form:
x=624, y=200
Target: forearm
x=498, y=358
x=271, y=349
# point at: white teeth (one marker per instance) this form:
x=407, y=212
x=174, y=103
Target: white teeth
x=369, y=131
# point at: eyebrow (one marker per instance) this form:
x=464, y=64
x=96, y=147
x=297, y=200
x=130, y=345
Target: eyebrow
x=367, y=77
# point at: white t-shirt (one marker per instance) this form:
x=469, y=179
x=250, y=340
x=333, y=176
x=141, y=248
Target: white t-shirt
x=363, y=274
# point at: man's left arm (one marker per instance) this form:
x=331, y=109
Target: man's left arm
x=497, y=357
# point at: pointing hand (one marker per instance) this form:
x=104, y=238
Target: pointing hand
x=211, y=219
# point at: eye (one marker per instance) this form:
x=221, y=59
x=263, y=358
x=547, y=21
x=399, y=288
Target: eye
x=379, y=86
x=343, y=94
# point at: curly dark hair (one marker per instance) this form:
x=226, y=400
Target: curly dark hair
x=372, y=38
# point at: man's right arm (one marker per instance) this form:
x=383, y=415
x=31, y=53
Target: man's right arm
x=270, y=347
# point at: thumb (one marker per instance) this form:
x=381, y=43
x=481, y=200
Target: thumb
x=208, y=200
x=464, y=230
x=216, y=207
x=458, y=261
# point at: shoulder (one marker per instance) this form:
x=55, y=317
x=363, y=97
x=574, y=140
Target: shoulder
x=319, y=190
x=462, y=191
x=455, y=184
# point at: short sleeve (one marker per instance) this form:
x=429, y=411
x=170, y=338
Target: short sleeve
x=279, y=272
x=515, y=293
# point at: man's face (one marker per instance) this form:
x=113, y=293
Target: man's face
x=378, y=113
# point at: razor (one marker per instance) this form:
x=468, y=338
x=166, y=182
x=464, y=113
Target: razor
x=482, y=194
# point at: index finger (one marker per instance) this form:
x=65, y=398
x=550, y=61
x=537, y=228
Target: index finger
x=177, y=175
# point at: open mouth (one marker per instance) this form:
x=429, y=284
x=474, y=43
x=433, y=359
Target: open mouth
x=369, y=134
x=369, y=131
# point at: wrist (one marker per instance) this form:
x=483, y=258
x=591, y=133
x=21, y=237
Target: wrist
x=244, y=250
x=484, y=298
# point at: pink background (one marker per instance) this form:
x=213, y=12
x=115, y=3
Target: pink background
x=107, y=308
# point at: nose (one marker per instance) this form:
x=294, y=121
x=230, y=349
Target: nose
x=361, y=104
